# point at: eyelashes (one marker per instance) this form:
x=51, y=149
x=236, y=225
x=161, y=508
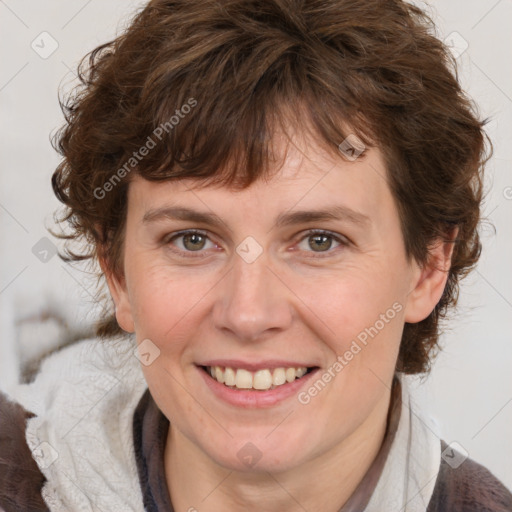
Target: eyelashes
x=182, y=234
x=195, y=234
x=319, y=233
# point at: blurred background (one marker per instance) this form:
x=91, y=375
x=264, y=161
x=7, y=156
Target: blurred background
x=45, y=303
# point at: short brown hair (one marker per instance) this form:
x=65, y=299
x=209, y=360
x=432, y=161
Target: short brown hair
x=373, y=66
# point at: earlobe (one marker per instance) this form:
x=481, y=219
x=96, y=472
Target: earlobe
x=119, y=293
x=430, y=280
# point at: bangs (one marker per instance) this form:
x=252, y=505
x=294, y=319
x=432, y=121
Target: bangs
x=222, y=129
x=234, y=150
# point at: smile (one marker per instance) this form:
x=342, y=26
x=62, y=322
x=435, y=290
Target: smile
x=262, y=380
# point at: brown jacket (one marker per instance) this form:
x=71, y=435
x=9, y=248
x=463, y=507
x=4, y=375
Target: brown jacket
x=469, y=488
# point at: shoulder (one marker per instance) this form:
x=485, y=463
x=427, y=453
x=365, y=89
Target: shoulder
x=20, y=478
x=88, y=390
x=469, y=487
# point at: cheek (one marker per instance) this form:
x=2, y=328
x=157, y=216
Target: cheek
x=153, y=299
x=348, y=302
x=358, y=314
x=166, y=302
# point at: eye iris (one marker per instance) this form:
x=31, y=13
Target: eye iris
x=325, y=242
x=193, y=237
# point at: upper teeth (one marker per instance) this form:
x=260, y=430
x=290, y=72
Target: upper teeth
x=260, y=379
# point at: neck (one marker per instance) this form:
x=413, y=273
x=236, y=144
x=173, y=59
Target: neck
x=322, y=483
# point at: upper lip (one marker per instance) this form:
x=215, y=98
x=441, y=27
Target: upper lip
x=255, y=365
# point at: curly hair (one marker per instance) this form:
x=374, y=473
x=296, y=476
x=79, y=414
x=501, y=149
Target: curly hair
x=192, y=88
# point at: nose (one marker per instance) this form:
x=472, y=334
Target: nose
x=253, y=302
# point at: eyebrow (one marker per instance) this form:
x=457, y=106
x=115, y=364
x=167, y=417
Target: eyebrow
x=340, y=213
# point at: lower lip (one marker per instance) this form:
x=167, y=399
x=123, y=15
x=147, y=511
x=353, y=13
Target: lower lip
x=250, y=398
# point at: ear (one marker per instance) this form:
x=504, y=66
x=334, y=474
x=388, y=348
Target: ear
x=119, y=293
x=430, y=280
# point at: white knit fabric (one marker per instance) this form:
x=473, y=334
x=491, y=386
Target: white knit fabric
x=409, y=475
x=84, y=398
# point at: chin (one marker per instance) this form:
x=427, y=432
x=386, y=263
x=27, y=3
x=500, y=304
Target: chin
x=256, y=454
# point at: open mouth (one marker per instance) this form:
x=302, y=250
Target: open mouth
x=260, y=380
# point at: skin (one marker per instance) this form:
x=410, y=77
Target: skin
x=294, y=302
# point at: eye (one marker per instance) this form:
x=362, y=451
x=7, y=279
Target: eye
x=320, y=241
x=190, y=241
x=195, y=241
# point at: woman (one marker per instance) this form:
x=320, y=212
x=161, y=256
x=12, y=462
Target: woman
x=282, y=197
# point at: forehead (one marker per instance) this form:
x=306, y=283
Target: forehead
x=308, y=177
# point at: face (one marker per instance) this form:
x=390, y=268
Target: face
x=260, y=287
